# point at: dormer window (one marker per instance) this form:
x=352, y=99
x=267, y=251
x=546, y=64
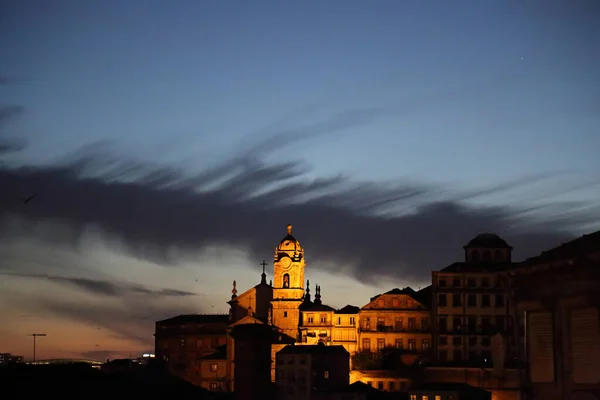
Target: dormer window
x=475, y=256
x=498, y=256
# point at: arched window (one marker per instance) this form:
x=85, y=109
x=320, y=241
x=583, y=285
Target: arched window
x=498, y=256
x=487, y=255
x=286, y=280
x=474, y=256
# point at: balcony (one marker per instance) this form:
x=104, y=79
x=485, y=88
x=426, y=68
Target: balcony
x=395, y=329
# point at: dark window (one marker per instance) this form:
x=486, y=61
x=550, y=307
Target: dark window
x=485, y=300
x=412, y=323
x=380, y=344
x=471, y=282
x=398, y=323
x=472, y=322
x=456, y=323
x=456, y=282
x=472, y=300
x=285, y=314
x=456, y=300
x=442, y=300
x=457, y=355
x=425, y=323
x=456, y=341
x=425, y=344
x=500, y=324
x=399, y=344
x=485, y=341
x=443, y=355
x=499, y=300
x=485, y=323
x=443, y=324
x=443, y=340
x=412, y=344
x=485, y=282
x=392, y=385
x=475, y=255
x=442, y=283
x=473, y=341
x=380, y=385
x=286, y=280
x=487, y=255
x=498, y=255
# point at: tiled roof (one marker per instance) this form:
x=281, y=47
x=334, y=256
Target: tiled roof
x=459, y=267
x=449, y=386
x=583, y=245
x=311, y=306
x=348, y=309
x=313, y=349
x=196, y=319
x=488, y=241
x=407, y=290
x=220, y=354
x=423, y=296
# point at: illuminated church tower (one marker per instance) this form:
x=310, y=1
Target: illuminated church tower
x=288, y=284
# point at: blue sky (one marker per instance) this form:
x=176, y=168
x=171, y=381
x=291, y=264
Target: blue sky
x=462, y=95
x=507, y=86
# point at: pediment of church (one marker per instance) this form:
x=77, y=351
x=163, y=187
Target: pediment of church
x=248, y=319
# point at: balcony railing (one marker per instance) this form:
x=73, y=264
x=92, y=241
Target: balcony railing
x=397, y=329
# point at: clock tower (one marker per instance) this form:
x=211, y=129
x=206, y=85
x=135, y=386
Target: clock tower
x=288, y=284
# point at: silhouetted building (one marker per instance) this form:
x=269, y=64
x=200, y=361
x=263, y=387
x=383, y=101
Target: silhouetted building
x=557, y=295
x=252, y=359
x=311, y=371
x=448, y=391
x=470, y=304
x=213, y=370
x=182, y=341
x=8, y=358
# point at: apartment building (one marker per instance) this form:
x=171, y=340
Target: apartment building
x=470, y=303
x=398, y=318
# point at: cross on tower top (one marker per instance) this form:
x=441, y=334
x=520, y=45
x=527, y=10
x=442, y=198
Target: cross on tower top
x=264, y=264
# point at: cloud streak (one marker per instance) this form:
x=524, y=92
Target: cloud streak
x=103, y=287
x=367, y=229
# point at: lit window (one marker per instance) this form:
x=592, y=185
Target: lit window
x=214, y=368
x=213, y=386
x=326, y=374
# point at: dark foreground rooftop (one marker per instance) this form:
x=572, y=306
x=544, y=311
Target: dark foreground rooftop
x=78, y=381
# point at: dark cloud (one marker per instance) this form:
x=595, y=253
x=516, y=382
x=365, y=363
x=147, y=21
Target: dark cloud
x=9, y=112
x=367, y=229
x=105, y=288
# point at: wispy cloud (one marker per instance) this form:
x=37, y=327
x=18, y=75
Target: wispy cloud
x=103, y=287
x=401, y=229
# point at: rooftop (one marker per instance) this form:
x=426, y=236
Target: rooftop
x=313, y=349
x=196, y=319
x=488, y=241
x=585, y=244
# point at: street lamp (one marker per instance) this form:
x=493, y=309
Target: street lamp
x=35, y=335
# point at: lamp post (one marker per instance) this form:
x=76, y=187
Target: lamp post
x=35, y=335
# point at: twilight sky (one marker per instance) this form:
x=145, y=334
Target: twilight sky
x=168, y=144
